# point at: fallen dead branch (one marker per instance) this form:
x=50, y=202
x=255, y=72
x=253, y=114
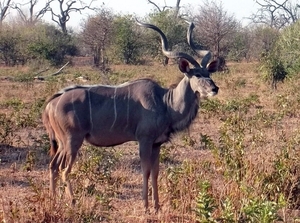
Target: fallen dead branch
x=42, y=78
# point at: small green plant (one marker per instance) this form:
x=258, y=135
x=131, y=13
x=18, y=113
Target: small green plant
x=30, y=161
x=42, y=142
x=241, y=105
x=14, y=103
x=205, y=204
x=228, y=211
x=7, y=130
x=261, y=211
x=180, y=182
x=206, y=142
x=231, y=150
x=282, y=183
x=240, y=82
x=188, y=141
x=165, y=153
x=14, y=212
x=217, y=107
x=94, y=175
x=174, y=175
x=211, y=107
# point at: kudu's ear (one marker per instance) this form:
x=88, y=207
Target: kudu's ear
x=183, y=65
x=213, y=66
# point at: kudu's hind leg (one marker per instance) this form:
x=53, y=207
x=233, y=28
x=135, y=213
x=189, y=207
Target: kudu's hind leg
x=55, y=166
x=65, y=178
x=71, y=148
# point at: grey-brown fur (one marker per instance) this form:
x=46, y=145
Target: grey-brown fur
x=140, y=110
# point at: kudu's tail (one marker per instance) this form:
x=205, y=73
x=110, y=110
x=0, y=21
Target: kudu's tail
x=53, y=147
x=51, y=133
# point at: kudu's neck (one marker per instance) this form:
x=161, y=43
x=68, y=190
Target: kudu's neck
x=183, y=104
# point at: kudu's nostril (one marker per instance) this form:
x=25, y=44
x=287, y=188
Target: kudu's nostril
x=215, y=89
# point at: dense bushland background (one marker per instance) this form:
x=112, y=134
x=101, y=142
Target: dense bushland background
x=239, y=161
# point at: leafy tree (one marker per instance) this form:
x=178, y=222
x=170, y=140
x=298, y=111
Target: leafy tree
x=283, y=59
x=279, y=52
x=40, y=43
x=175, y=30
x=273, y=68
x=238, y=45
x=288, y=46
x=262, y=41
x=9, y=46
x=97, y=35
x=52, y=45
x=126, y=40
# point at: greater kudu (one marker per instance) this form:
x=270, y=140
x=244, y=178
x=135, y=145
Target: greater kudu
x=139, y=110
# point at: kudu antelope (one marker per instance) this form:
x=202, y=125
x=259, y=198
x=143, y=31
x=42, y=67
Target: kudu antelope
x=139, y=110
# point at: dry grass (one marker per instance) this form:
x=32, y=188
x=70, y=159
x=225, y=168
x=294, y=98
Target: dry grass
x=244, y=143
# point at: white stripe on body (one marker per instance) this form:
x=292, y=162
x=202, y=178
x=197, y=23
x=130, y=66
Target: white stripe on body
x=90, y=106
x=115, y=108
x=128, y=106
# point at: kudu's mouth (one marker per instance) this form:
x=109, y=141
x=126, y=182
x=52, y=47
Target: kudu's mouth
x=214, y=91
x=203, y=95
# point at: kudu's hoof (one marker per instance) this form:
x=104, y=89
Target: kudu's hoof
x=157, y=209
x=73, y=202
x=147, y=211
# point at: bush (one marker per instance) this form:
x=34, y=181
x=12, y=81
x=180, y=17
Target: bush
x=273, y=69
x=41, y=43
x=283, y=60
x=51, y=45
x=126, y=42
x=10, y=46
x=288, y=46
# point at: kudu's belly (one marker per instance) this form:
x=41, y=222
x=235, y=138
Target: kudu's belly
x=109, y=138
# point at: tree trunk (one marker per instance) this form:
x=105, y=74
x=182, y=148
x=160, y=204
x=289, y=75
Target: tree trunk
x=97, y=55
x=177, y=7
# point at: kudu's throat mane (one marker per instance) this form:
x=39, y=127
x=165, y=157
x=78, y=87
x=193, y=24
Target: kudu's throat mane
x=183, y=108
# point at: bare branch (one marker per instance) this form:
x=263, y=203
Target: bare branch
x=214, y=26
x=33, y=17
x=177, y=7
x=63, y=16
x=156, y=6
x=42, y=78
x=4, y=6
x=163, y=8
x=276, y=15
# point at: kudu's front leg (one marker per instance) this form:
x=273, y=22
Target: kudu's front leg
x=154, y=175
x=145, y=149
x=149, y=155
